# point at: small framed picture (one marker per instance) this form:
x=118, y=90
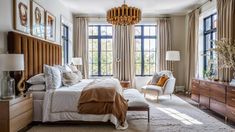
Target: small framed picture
x=21, y=15
x=50, y=26
x=37, y=20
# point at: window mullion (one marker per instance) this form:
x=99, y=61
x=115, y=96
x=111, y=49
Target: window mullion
x=99, y=51
x=142, y=50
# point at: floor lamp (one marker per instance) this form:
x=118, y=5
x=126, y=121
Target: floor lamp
x=172, y=56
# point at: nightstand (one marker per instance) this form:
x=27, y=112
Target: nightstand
x=125, y=84
x=16, y=113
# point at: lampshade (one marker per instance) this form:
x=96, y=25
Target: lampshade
x=11, y=62
x=172, y=55
x=77, y=61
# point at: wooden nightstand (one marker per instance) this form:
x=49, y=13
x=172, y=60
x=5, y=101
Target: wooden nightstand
x=16, y=113
x=125, y=84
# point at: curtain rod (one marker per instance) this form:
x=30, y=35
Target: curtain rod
x=202, y=5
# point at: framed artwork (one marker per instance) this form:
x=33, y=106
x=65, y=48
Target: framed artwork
x=37, y=20
x=21, y=15
x=50, y=26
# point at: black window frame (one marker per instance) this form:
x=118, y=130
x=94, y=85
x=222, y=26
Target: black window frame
x=142, y=37
x=99, y=37
x=65, y=38
x=210, y=32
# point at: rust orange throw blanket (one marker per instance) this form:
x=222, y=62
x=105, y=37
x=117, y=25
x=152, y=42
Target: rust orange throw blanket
x=102, y=100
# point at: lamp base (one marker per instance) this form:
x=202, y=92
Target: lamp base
x=7, y=87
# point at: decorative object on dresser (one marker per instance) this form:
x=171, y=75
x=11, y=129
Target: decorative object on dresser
x=11, y=62
x=50, y=26
x=37, y=20
x=172, y=56
x=16, y=113
x=216, y=96
x=125, y=84
x=21, y=15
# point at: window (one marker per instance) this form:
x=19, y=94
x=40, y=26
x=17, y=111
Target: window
x=65, y=39
x=145, y=49
x=100, y=50
x=210, y=59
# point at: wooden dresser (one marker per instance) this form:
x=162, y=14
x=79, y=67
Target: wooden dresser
x=216, y=96
x=15, y=113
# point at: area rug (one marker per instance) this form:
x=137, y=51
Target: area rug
x=167, y=115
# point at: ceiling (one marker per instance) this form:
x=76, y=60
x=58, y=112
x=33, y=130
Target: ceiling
x=148, y=7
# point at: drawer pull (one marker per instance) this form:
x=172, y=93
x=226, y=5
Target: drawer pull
x=233, y=99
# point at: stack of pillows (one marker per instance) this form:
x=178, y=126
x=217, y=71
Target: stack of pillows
x=158, y=80
x=55, y=77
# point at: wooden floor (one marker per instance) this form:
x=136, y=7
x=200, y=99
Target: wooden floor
x=211, y=113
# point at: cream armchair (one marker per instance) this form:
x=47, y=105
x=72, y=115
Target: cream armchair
x=166, y=89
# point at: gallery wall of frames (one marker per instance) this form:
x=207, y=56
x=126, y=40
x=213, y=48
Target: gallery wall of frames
x=32, y=18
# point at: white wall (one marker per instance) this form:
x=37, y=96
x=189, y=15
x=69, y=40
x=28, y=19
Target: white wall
x=6, y=18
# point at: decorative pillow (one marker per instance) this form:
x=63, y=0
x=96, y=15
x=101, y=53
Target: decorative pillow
x=73, y=68
x=53, y=77
x=64, y=68
x=37, y=87
x=155, y=79
x=70, y=78
x=162, y=80
x=37, y=79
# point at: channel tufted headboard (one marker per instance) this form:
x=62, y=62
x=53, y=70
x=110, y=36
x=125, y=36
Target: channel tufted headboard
x=36, y=52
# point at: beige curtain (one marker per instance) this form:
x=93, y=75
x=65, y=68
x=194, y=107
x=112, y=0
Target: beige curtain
x=165, y=42
x=81, y=43
x=226, y=28
x=191, y=47
x=123, y=53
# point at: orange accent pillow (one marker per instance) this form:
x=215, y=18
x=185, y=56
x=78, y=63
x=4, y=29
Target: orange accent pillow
x=162, y=80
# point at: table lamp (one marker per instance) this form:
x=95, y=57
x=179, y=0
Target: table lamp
x=10, y=62
x=172, y=56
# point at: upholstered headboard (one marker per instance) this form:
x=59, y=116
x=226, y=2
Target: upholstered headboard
x=36, y=52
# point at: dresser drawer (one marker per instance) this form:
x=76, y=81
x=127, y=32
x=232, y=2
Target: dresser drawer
x=230, y=113
x=218, y=92
x=204, y=101
x=204, y=89
x=195, y=97
x=231, y=100
x=218, y=107
x=21, y=121
x=21, y=107
x=231, y=91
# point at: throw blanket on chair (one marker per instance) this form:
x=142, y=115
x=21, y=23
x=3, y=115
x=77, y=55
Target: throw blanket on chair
x=102, y=97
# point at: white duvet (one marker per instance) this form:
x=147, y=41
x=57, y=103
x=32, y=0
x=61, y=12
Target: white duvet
x=61, y=104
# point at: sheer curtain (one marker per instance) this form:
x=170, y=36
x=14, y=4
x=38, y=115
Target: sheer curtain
x=123, y=53
x=191, y=47
x=81, y=43
x=165, y=42
x=226, y=28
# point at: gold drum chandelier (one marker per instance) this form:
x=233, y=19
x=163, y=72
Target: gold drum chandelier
x=124, y=15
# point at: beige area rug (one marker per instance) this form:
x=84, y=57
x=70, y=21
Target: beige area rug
x=168, y=115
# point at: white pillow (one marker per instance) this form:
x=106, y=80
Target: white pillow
x=53, y=77
x=37, y=87
x=37, y=79
x=64, y=68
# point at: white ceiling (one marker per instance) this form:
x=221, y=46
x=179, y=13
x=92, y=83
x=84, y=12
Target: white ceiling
x=148, y=7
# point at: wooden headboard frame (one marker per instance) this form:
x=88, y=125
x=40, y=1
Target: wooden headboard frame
x=36, y=52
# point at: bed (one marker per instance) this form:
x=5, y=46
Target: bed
x=60, y=104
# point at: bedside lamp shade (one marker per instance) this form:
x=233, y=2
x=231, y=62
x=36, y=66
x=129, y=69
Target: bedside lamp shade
x=77, y=61
x=172, y=55
x=11, y=62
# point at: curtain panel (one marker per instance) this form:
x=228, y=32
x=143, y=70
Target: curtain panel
x=81, y=43
x=165, y=42
x=192, y=48
x=226, y=29
x=123, y=53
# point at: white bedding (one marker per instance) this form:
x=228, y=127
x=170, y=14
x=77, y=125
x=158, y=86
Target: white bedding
x=61, y=104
